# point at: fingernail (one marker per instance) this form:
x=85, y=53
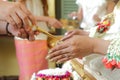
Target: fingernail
x=47, y=57
x=51, y=60
x=49, y=51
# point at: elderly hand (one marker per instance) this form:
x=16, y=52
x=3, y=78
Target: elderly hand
x=17, y=15
x=76, y=46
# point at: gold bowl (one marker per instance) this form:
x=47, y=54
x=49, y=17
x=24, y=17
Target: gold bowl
x=54, y=41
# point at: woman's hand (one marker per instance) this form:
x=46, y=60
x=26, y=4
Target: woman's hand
x=69, y=34
x=76, y=46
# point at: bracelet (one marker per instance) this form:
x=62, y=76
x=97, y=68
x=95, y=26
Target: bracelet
x=8, y=33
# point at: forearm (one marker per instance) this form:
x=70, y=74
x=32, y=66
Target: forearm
x=100, y=46
x=3, y=27
x=79, y=14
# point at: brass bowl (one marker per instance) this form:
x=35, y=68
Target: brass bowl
x=54, y=41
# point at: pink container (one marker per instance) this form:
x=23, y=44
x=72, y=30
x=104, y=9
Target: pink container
x=31, y=57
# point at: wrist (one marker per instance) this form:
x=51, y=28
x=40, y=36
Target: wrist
x=100, y=46
x=3, y=28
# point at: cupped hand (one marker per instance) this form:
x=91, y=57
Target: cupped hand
x=71, y=33
x=76, y=46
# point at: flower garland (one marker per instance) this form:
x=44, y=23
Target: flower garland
x=103, y=26
x=54, y=77
x=112, y=59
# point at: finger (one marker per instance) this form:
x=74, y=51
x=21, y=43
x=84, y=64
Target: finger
x=58, y=53
x=55, y=59
x=17, y=20
x=11, y=21
x=55, y=54
x=58, y=24
x=24, y=18
x=23, y=33
x=59, y=47
x=16, y=33
x=55, y=25
x=68, y=35
x=26, y=25
x=31, y=35
x=62, y=60
x=30, y=16
x=13, y=30
x=60, y=57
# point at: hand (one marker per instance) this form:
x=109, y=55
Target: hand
x=19, y=32
x=77, y=46
x=69, y=34
x=17, y=15
x=54, y=22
